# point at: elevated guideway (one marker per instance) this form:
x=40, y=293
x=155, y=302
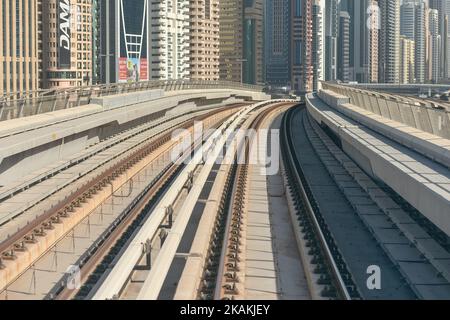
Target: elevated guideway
x=32, y=142
x=413, y=163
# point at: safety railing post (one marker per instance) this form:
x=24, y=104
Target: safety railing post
x=2, y=107
x=89, y=96
x=55, y=100
x=66, y=100
x=79, y=95
x=39, y=108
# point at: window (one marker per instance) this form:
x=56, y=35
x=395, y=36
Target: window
x=297, y=53
x=298, y=8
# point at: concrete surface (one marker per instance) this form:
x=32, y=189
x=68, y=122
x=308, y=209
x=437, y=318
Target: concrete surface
x=424, y=183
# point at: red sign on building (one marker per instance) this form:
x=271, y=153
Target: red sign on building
x=123, y=69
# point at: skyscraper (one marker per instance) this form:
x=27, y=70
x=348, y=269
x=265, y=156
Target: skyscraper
x=407, y=19
x=363, y=19
x=67, y=35
x=374, y=27
x=277, y=35
x=406, y=60
x=331, y=29
x=420, y=41
x=434, y=46
x=122, y=41
x=443, y=11
x=204, y=41
x=360, y=43
x=253, y=50
x=389, y=40
x=317, y=43
x=19, y=47
x=96, y=32
x=169, y=39
x=231, y=19
x=344, y=47
x=301, y=45
x=446, y=40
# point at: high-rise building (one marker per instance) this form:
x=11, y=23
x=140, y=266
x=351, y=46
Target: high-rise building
x=389, y=40
x=317, y=43
x=331, y=29
x=434, y=46
x=374, y=27
x=301, y=46
x=122, y=40
x=96, y=59
x=19, y=71
x=407, y=19
x=443, y=11
x=360, y=43
x=363, y=16
x=67, y=37
x=169, y=39
x=406, y=60
x=204, y=39
x=344, y=47
x=446, y=40
x=420, y=41
x=231, y=18
x=253, y=46
x=277, y=35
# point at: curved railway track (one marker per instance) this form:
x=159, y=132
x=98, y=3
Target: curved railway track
x=18, y=243
x=223, y=265
x=325, y=253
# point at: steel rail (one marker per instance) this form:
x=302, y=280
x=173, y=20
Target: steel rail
x=227, y=274
x=114, y=281
x=37, y=227
x=294, y=171
x=117, y=277
x=132, y=212
x=10, y=193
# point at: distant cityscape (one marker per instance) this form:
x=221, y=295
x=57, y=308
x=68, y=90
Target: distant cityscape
x=288, y=45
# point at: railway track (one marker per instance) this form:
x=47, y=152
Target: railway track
x=18, y=248
x=162, y=209
x=325, y=253
x=115, y=281
x=332, y=196
x=224, y=269
x=230, y=259
x=141, y=133
x=129, y=222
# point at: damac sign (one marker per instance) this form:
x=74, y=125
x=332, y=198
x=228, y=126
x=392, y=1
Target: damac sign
x=64, y=33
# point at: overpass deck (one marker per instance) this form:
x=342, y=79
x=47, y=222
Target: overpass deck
x=423, y=183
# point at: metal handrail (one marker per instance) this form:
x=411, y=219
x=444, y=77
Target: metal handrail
x=432, y=105
x=37, y=102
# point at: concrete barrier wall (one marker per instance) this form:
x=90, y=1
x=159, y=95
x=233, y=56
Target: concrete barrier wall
x=426, y=144
x=418, y=115
x=431, y=201
x=333, y=99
